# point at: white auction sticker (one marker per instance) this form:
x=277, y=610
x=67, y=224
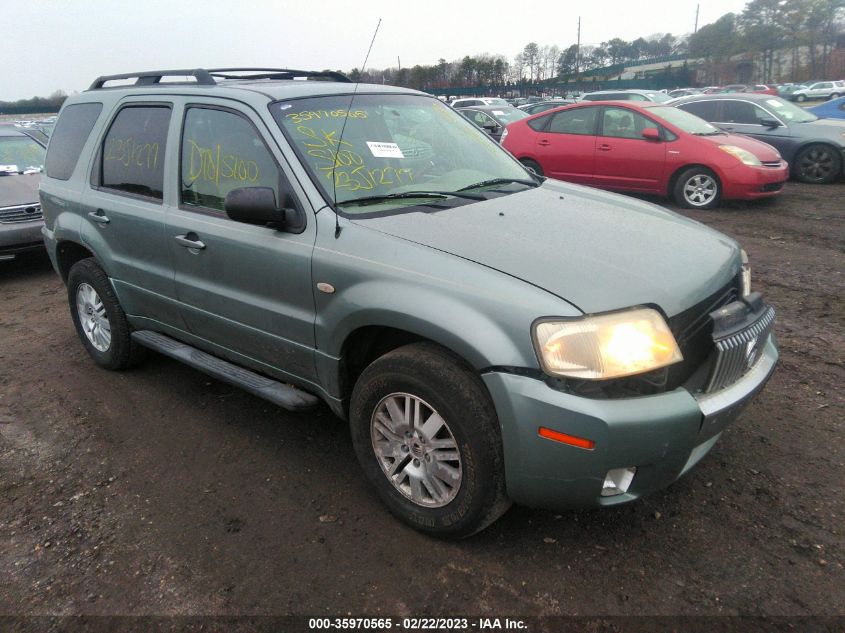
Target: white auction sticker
x=385, y=150
x=498, y=113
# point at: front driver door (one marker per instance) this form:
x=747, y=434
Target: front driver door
x=245, y=290
x=624, y=159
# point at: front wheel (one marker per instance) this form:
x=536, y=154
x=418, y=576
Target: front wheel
x=697, y=188
x=835, y=95
x=98, y=317
x=800, y=98
x=427, y=436
x=818, y=164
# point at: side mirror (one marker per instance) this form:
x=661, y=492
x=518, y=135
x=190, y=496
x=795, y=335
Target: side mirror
x=491, y=127
x=769, y=123
x=255, y=205
x=651, y=134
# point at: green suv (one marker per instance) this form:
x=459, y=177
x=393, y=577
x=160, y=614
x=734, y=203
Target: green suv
x=490, y=335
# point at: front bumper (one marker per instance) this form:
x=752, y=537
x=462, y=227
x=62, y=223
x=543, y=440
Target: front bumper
x=663, y=435
x=20, y=237
x=750, y=183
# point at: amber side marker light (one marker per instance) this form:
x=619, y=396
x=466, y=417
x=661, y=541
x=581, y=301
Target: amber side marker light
x=557, y=436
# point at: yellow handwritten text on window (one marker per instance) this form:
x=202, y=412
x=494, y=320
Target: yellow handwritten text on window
x=213, y=164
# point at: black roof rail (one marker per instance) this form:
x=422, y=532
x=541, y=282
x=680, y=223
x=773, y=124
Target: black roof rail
x=153, y=77
x=276, y=73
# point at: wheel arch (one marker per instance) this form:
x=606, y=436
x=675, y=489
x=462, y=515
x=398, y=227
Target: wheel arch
x=67, y=254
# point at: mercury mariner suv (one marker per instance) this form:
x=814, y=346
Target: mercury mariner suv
x=490, y=335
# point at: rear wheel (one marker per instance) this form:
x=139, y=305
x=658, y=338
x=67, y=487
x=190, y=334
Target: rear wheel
x=100, y=321
x=835, y=95
x=819, y=164
x=800, y=98
x=533, y=165
x=697, y=188
x=427, y=437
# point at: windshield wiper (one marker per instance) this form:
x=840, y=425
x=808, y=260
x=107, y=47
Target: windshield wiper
x=440, y=195
x=499, y=181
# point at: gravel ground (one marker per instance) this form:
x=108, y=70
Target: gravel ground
x=160, y=491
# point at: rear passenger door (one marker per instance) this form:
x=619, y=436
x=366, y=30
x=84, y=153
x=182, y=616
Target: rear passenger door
x=124, y=208
x=567, y=147
x=245, y=290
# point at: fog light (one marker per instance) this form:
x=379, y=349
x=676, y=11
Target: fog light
x=617, y=481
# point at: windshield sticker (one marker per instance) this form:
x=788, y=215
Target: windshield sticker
x=498, y=113
x=385, y=150
x=774, y=103
x=287, y=106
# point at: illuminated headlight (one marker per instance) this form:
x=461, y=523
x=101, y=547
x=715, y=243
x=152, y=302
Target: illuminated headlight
x=746, y=274
x=606, y=346
x=742, y=154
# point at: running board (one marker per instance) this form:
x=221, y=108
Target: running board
x=280, y=393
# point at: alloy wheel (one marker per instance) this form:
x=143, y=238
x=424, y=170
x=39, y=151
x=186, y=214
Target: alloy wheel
x=699, y=190
x=816, y=164
x=93, y=318
x=416, y=450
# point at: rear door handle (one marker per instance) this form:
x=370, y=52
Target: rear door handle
x=99, y=217
x=544, y=142
x=189, y=240
x=604, y=147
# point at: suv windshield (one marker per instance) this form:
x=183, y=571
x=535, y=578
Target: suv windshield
x=684, y=120
x=20, y=154
x=392, y=147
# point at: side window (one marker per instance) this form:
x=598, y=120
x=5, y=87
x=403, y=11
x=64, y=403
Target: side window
x=133, y=151
x=221, y=151
x=739, y=112
x=481, y=119
x=539, y=124
x=703, y=109
x=577, y=121
x=72, y=130
x=633, y=96
x=623, y=123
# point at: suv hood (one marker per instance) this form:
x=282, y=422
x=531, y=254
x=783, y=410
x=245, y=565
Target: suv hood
x=598, y=251
x=17, y=189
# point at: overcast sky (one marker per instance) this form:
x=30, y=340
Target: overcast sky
x=65, y=44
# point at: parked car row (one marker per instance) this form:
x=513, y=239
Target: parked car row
x=21, y=163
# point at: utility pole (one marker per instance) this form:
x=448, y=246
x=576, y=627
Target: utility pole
x=695, y=29
x=578, y=52
x=399, y=62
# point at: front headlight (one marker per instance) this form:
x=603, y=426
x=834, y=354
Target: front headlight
x=746, y=273
x=606, y=346
x=742, y=154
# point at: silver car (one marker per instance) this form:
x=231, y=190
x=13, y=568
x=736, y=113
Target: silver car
x=21, y=162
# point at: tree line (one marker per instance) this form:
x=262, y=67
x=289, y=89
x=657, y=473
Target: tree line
x=806, y=29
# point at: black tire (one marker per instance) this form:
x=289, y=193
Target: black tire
x=800, y=98
x=533, y=165
x=817, y=164
x=121, y=351
x=707, y=198
x=834, y=95
x=443, y=382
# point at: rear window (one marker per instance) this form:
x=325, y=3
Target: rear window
x=72, y=129
x=133, y=151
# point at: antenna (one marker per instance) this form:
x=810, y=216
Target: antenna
x=343, y=128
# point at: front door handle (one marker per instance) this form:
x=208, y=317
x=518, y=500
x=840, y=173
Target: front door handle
x=189, y=240
x=604, y=147
x=99, y=217
x=544, y=142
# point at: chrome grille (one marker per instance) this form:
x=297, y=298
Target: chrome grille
x=21, y=213
x=737, y=353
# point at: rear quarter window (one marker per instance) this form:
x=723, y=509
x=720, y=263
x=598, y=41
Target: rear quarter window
x=71, y=132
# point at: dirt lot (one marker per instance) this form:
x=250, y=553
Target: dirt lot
x=159, y=491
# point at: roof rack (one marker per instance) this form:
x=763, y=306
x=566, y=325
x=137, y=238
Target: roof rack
x=205, y=77
x=276, y=73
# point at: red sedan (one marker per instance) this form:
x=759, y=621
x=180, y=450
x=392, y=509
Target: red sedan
x=647, y=148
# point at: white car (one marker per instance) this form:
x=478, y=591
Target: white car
x=819, y=90
x=478, y=101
